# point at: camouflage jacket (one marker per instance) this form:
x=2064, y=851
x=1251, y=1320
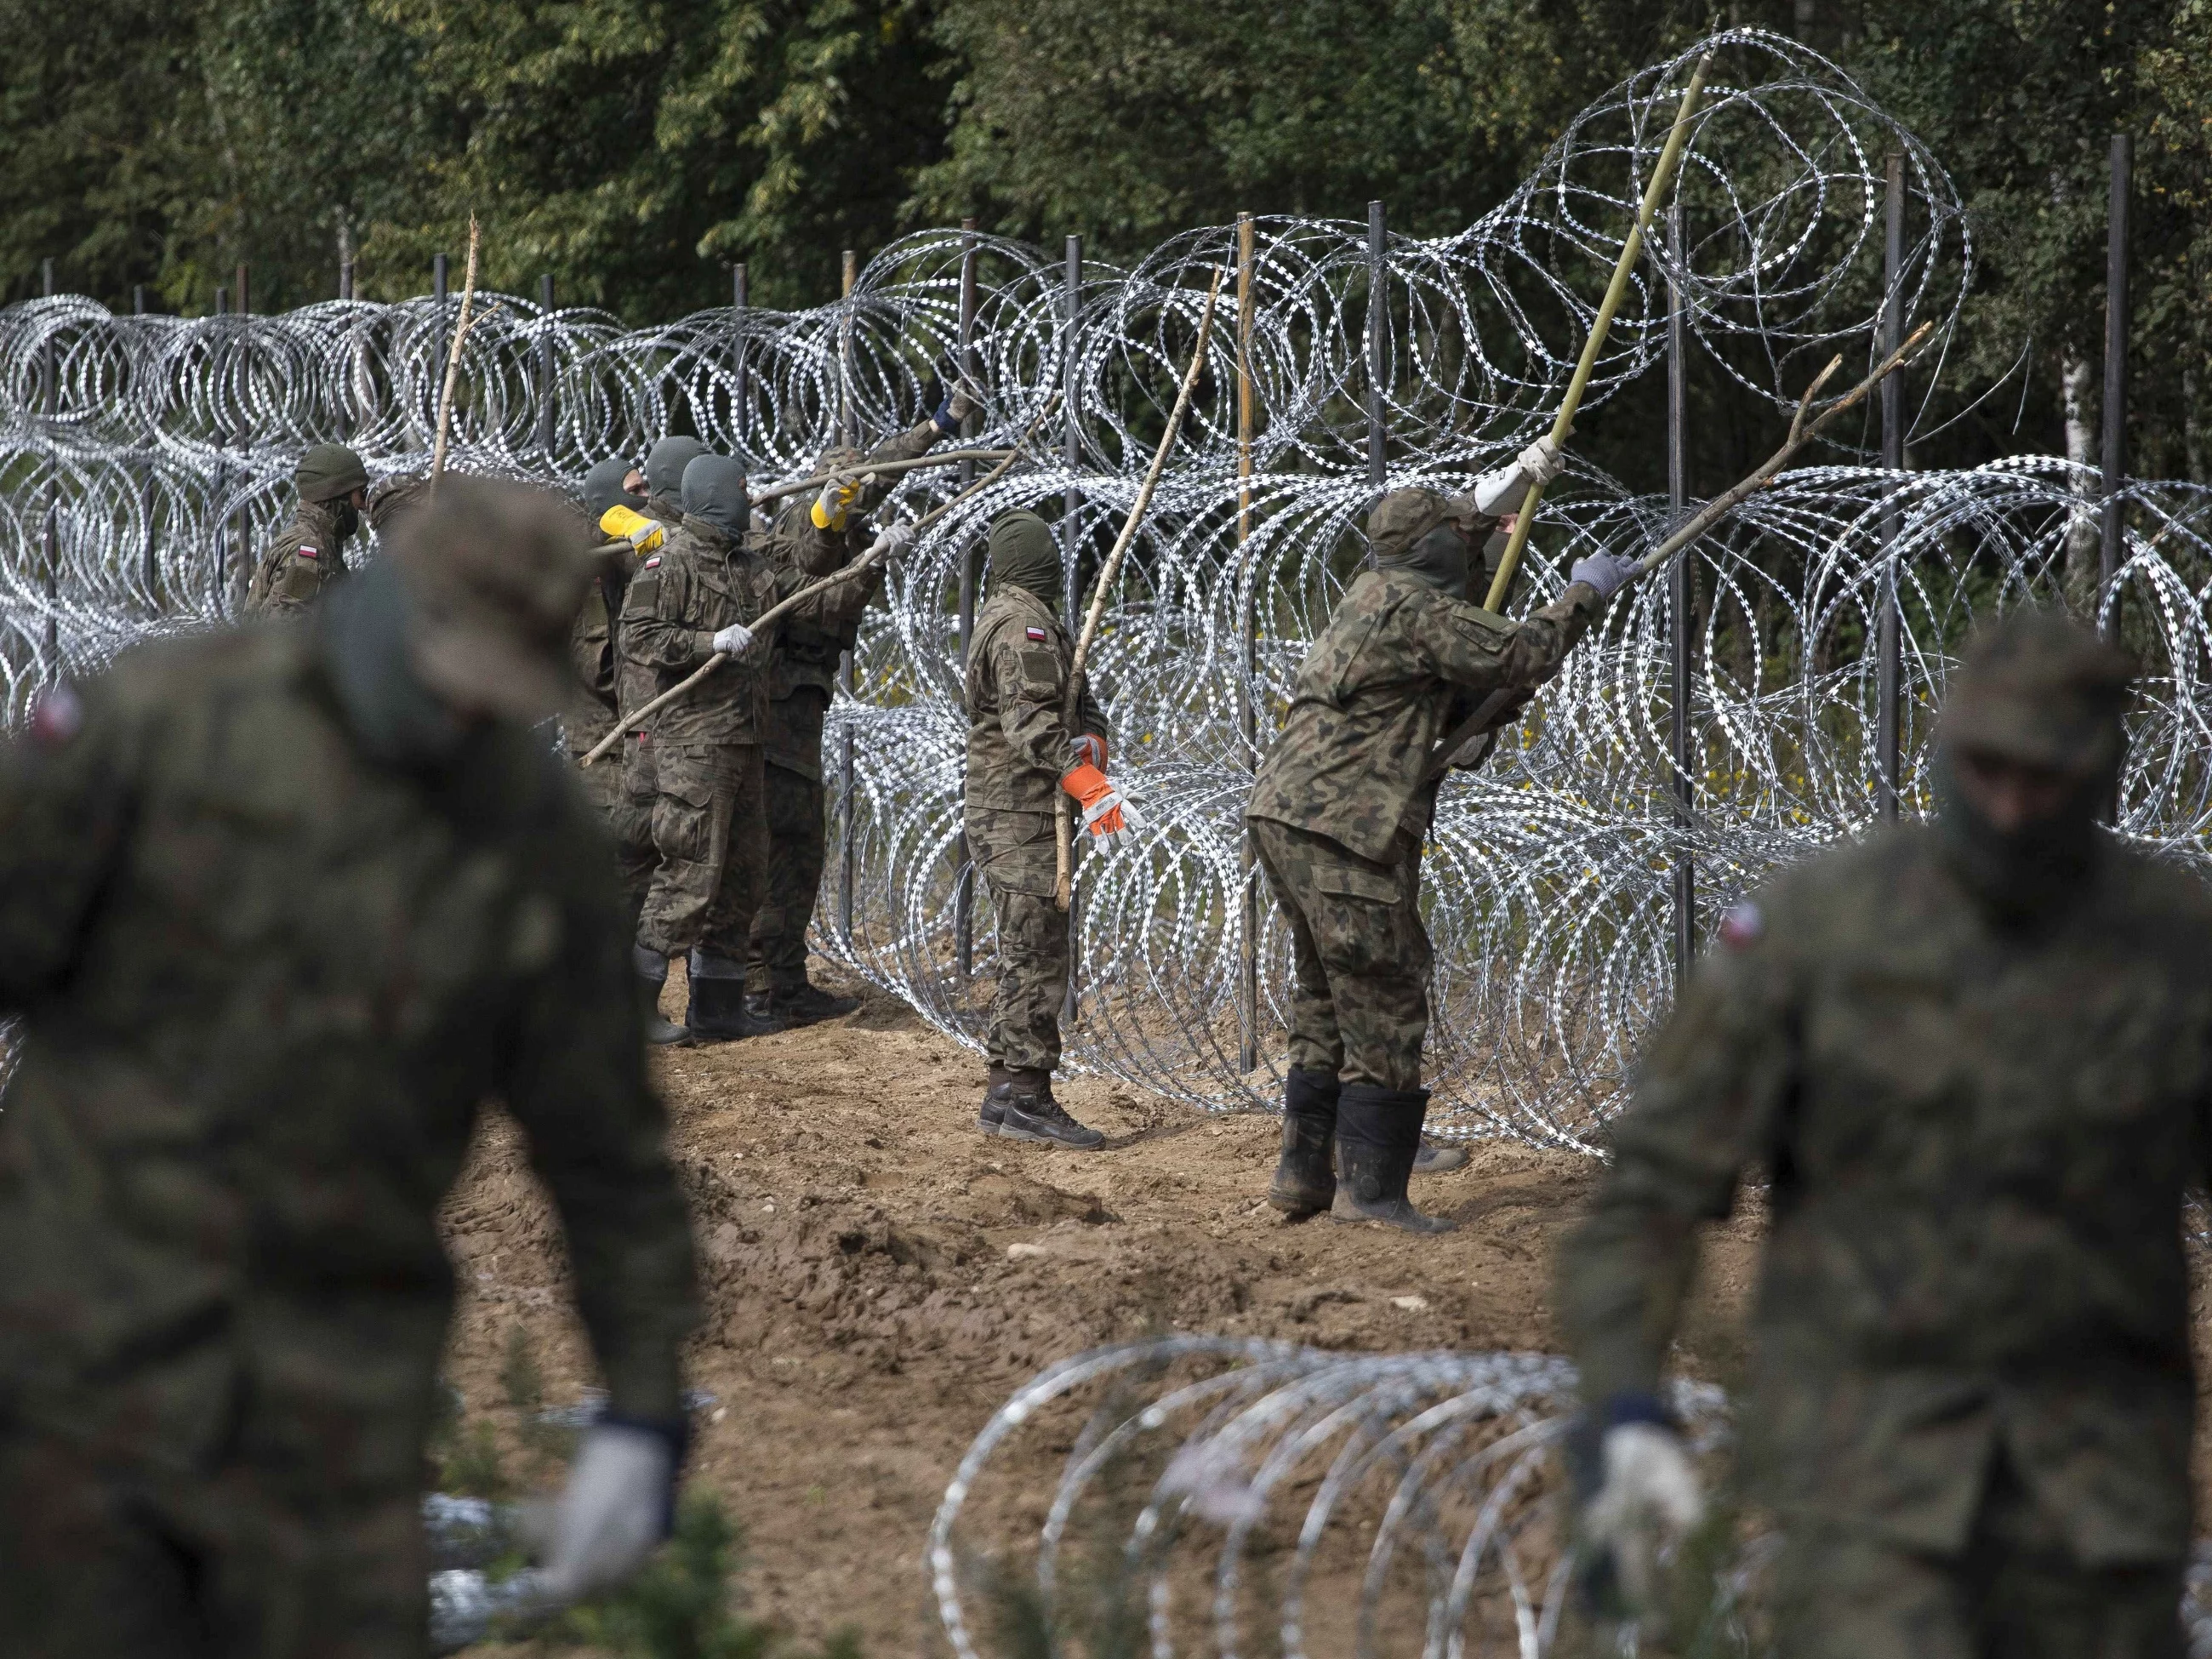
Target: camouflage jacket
x=702, y=580
x=1978, y=1139
x=266, y=985
x=1018, y=669
x=596, y=703
x=299, y=564
x=1398, y=662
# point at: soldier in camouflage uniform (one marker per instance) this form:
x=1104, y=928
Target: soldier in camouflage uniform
x=819, y=537
x=1339, y=815
x=664, y=477
x=1021, y=756
x=689, y=602
x=310, y=556
x=1973, y=1058
x=279, y=908
x=594, y=699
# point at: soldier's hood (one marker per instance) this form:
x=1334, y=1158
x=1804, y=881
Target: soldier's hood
x=603, y=489
x=714, y=489
x=664, y=463
x=1023, y=554
x=362, y=630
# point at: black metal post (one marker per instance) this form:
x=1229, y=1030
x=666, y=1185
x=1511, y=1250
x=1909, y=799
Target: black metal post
x=138, y=300
x=1248, y=711
x=1680, y=596
x=548, y=393
x=1889, y=668
x=46, y=278
x=245, y=292
x=964, y=867
x=438, y=353
x=1378, y=327
x=222, y=439
x=740, y=360
x=49, y=405
x=1071, y=501
x=848, y=826
x=2116, y=380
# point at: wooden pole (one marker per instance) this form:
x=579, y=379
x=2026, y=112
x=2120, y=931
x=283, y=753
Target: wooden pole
x=1632, y=249
x=1247, y=708
x=454, y=359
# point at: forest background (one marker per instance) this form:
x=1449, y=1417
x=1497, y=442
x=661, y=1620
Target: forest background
x=636, y=149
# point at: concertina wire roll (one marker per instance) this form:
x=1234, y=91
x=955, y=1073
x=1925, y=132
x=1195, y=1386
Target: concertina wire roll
x=147, y=462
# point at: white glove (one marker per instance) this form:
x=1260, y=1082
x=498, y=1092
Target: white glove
x=1608, y=573
x=1651, y=1494
x=890, y=545
x=613, y=1511
x=735, y=640
x=1499, y=493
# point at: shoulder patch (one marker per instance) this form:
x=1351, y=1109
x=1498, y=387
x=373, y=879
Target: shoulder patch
x=1036, y=634
x=56, y=717
x=1742, y=925
x=310, y=553
x=653, y=563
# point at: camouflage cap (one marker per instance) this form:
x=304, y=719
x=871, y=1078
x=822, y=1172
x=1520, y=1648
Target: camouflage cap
x=403, y=492
x=494, y=578
x=327, y=471
x=2039, y=688
x=1400, y=519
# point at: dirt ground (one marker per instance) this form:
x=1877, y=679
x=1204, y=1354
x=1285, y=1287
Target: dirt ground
x=880, y=1278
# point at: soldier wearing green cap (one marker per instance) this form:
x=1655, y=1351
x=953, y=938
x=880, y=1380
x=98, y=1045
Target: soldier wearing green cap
x=333, y=488
x=280, y=909
x=1340, y=812
x=1972, y=1060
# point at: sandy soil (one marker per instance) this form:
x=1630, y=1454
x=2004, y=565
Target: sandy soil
x=865, y=1316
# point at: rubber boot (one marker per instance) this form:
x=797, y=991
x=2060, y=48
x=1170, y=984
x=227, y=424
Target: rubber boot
x=1032, y=1114
x=1305, y=1180
x=998, y=1089
x=808, y=1003
x=1378, y=1131
x=1437, y=1158
x=721, y=1011
x=651, y=976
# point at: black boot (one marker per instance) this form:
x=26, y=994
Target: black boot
x=721, y=1011
x=808, y=1003
x=1032, y=1114
x=1378, y=1132
x=998, y=1089
x=652, y=976
x=1304, y=1183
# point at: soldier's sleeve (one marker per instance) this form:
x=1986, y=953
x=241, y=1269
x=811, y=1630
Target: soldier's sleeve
x=1032, y=683
x=908, y=446
x=1467, y=646
x=1708, y=1103
x=65, y=804
x=655, y=627
x=577, y=1082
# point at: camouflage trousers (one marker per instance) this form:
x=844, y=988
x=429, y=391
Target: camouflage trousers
x=607, y=786
x=99, y=1561
x=1360, y=956
x=1013, y=854
x=2017, y=1593
x=797, y=840
x=711, y=834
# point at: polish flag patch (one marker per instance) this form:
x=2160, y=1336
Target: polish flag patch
x=310, y=553
x=653, y=563
x=1741, y=926
x=1035, y=632
x=56, y=717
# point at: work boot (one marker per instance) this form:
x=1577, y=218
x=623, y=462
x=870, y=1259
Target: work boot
x=1378, y=1132
x=721, y=1011
x=1032, y=1114
x=651, y=976
x=997, y=1087
x=1435, y=1158
x=1304, y=1183
x=808, y=1003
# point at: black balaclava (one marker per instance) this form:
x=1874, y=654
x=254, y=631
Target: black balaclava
x=1438, y=560
x=2030, y=870
x=397, y=719
x=1022, y=553
x=664, y=463
x=345, y=515
x=714, y=489
x=603, y=489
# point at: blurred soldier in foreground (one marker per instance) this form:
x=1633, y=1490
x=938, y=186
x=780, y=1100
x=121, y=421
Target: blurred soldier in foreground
x=594, y=698
x=333, y=488
x=1342, y=806
x=279, y=908
x=1974, y=1059
x=826, y=534
x=1021, y=756
x=688, y=602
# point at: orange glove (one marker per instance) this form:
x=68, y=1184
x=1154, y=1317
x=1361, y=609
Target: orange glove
x=1088, y=750
x=1106, y=812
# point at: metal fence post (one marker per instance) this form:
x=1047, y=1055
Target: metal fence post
x=1378, y=323
x=740, y=356
x=1680, y=598
x=1889, y=675
x=2116, y=381
x=848, y=836
x=547, y=391
x=1071, y=501
x=964, y=868
x=222, y=439
x=1248, y=710
x=438, y=337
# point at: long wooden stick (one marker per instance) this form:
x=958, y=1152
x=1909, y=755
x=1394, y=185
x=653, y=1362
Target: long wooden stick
x=1072, y=705
x=454, y=357
x=774, y=613
x=878, y=470
x=1631, y=251
x=1801, y=434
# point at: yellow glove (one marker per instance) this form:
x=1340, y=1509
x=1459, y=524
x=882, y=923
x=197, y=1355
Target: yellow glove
x=834, y=502
x=644, y=535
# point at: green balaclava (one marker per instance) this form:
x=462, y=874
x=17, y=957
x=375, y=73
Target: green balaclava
x=714, y=489
x=1022, y=553
x=330, y=473
x=603, y=489
x=396, y=716
x=2039, y=689
x=1408, y=533
x=664, y=463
